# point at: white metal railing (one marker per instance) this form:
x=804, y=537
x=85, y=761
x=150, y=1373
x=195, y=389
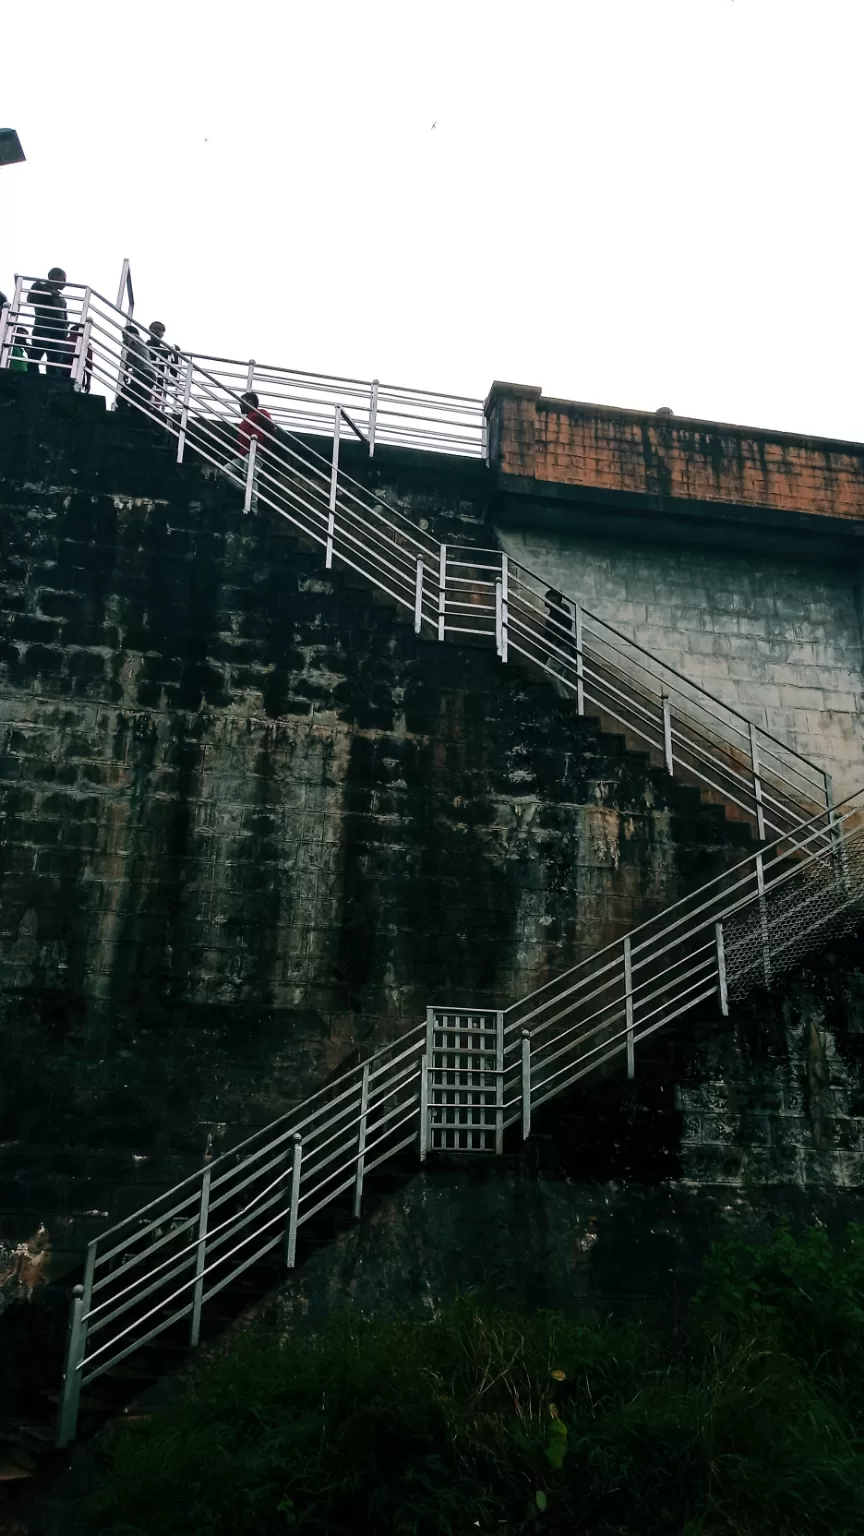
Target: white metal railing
x=738, y=932
x=476, y=596
x=452, y=591
x=300, y=401
x=385, y=413
x=454, y=1083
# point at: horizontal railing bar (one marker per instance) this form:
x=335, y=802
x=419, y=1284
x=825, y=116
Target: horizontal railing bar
x=328, y=1199
x=748, y=861
x=615, y=965
x=275, y=1192
x=258, y=1172
x=104, y=1258
x=377, y=1161
x=254, y=1258
x=366, y=384
x=570, y=1039
x=102, y=1321
x=373, y=1142
x=131, y=1348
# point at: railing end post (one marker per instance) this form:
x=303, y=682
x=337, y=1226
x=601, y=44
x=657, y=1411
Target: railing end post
x=667, y=735
x=722, y=987
x=526, y=1084
x=424, y=1106
x=628, y=1007
x=70, y=1393
x=373, y=416
x=294, y=1200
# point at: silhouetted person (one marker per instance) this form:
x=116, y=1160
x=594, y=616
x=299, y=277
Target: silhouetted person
x=50, y=331
x=165, y=365
x=137, y=375
x=18, y=354
x=560, y=626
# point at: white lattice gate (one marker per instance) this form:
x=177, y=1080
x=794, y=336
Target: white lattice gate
x=463, y=1081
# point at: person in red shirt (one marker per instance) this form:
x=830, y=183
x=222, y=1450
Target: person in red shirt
x=256, y=424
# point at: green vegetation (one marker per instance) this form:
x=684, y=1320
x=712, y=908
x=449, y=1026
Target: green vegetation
x=749, y=1421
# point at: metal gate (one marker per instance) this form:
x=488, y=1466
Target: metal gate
x=463, y=1081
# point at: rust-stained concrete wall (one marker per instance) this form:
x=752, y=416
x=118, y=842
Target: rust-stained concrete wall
x=733, y=555
x=568, y=442
x=251, y=826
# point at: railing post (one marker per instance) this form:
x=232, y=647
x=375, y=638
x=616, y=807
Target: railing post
x=757, y=783
x=76, y=1344
x=763, y=920
x=424, y=1106
x=580, y=667
x=505, y=605
x=835, y=834
x=442, y=589
x=184, y=411
x=71, y=1390
x=250, y=474
x=721, y=970
x=361, y=1142
x=373, y=416
x=293, y=1202
x=9, y=320
x=628, y=1004
x=123, y=290
x=667, y=735
x=418, y=596
x=200, y=1260
x=526, y=1084
x=82, y=343
x=250, y=374
x=499, y=1082
x=334, y=480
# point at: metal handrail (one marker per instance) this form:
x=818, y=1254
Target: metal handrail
x=402, y=415
x=456, y=591
x=160, y=1266
x=452, y=591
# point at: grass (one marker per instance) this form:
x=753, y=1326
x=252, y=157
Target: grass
x=749, y=1420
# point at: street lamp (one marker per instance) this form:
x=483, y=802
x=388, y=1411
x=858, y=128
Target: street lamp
x=10, y=147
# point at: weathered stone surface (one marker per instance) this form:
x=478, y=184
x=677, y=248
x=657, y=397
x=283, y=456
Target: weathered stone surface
x=571, y=442
x=730, y=1127
x=252, y=825
x=777, y=637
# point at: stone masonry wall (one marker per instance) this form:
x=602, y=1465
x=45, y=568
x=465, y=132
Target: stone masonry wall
x=251, y=825
x=778, y=638
x=729, y=1127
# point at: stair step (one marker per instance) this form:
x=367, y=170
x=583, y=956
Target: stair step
x=87, y=1404
x=162, y=1345
x=40, y=1435
x=11, y=1472
x=23, y=1456
x=127, y=1372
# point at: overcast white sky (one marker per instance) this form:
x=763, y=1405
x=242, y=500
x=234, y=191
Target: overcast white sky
x=639, y=202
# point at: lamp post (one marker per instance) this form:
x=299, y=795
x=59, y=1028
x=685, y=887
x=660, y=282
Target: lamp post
x=11, y=152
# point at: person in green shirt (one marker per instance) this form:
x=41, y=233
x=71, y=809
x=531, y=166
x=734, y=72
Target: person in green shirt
x=18, y=356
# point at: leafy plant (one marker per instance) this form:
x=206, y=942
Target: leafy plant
x=748, y=1421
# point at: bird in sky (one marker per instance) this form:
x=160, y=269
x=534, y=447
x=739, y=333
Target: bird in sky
x=434, y=125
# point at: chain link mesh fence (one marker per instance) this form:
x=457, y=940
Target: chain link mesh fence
x=821, y=899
